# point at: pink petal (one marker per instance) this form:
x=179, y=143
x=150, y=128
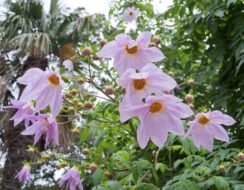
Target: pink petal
x=56, y=102
x=139, y=110
x=31, y=130
x=200, y=136
x=30, y=76
x=172, y=124
x=44, y=98
x=124, y=115
x=32, y=91
x=221, y=118
x=144, y=39
x=157, y=129
x=142, y=135
x=218, y=132
x=122, y=39
x=39, y=132
x=181, y=110
x=124, y=79
x=152, y=54
x=132, y=43
x=109, y=50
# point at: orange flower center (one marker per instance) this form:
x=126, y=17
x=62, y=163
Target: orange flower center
x=131, y=13
x=139, y=84
x=156, y=107
x=203, y=120
x=45, y=120
x=132, y=50
x=54, y=80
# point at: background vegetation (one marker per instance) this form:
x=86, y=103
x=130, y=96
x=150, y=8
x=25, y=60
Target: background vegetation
x=202, y=40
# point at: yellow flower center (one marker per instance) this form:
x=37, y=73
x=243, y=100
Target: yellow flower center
x=54, y=80
x=132, y=50
x=131, y=13
x=203, y=120
x=139, y=84
x=156, y=107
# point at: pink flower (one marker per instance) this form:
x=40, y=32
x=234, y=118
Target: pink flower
x=159, y=115
x=130, y=14
x=24, y=174
x=23, y=109
x=139, y=85
x=44, y=124
x=207, y=126
x=72, y=177
x=68, y=64
x=128, y=53
x=43, y=86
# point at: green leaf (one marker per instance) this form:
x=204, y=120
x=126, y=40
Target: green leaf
x=161, y=167
x=221, y=183
x=113, y=185
x=146, y=186
x=97, y=176
x=84, y=135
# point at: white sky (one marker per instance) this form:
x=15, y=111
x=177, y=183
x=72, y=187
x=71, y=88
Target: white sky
x=102, y=6
x=97, y=6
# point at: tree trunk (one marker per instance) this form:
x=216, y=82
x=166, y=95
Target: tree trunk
x=15, y=143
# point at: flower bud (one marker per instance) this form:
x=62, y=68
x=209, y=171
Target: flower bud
x=87, y=51
x=241, y=156
x=190, y=82
x=109, y=90
x=68, y=95
x=191, y=106
x=102, y=42
x=58, y=165
x=81, y=81
x=221, y=168
x=85, y=151
x=156, y=40
x=73, y=92
x=88, y=105
x=93, y=167
x=171, y=73
x=80, y=105
x=76, y=101
x=71, y=109
x=95, y=57
x=123, y=90
x=31, y=150
x=75, y=131
x=152, y=44
x=46, y=156
x=107, y=174
x=189, y=98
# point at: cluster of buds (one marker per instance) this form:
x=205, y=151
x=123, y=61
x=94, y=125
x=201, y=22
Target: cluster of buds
x=109, y=90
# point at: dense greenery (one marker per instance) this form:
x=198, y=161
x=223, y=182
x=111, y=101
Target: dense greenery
x=202, y=40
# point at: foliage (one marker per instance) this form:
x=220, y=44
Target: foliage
x=202, y=40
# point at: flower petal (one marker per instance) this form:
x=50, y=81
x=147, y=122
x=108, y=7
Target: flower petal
x=173, y=124
x=157, y=131
x=152, y=55
x=56, y=102
x=108, y=50
x=144, y=39
x=200, y=136
x=30, y=76
x=218, y=132
x=142, y=135
x=221, y=118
